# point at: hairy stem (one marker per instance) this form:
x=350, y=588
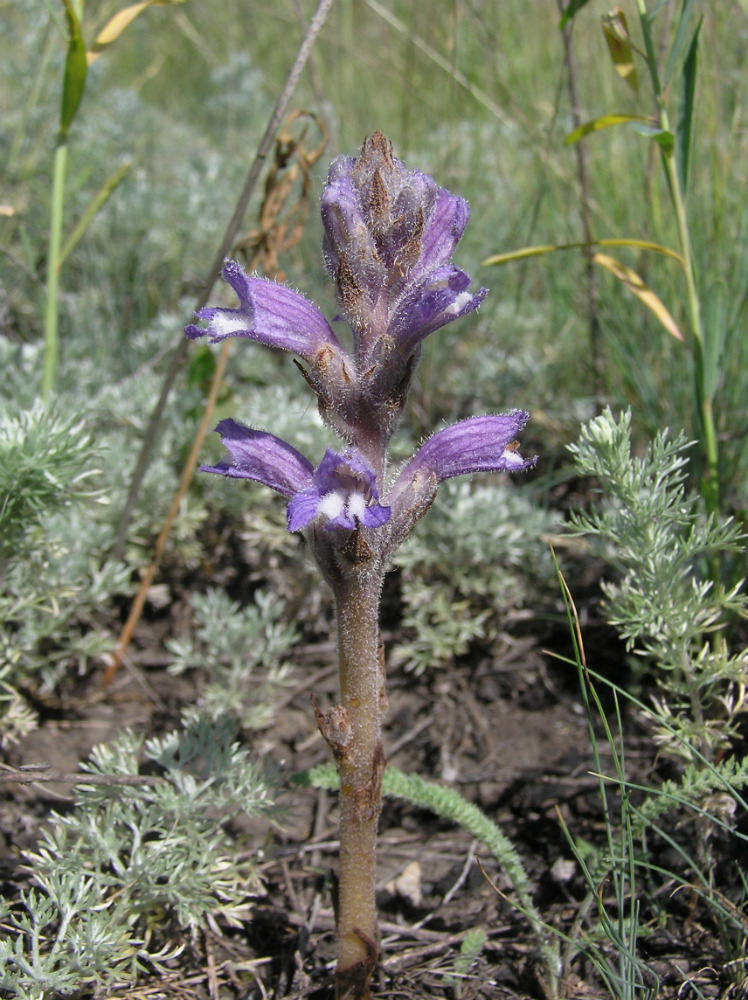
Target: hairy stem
x=447, y=803
x=353, y=730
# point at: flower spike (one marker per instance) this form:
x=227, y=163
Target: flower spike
x=389, y=237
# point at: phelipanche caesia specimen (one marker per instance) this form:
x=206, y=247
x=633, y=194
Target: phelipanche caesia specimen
x=389, y=236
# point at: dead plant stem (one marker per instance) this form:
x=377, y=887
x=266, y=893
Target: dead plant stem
x=585, y=201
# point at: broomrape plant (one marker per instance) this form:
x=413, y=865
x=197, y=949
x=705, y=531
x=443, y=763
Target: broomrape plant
x=389, y=236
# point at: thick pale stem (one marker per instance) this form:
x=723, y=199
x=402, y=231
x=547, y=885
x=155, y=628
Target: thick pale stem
x=353, y=730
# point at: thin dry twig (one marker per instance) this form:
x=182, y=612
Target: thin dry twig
x=585, y=206
x=45, y=772
x=411, y=956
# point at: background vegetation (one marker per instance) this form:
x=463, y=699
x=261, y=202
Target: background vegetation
x=478, y=95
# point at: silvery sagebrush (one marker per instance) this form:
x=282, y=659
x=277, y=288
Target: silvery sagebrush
x=389, y=236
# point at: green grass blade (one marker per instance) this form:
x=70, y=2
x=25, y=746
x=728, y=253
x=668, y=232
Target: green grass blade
x=605, y=121
x=99, y=199
x=684, y=118
x=682, y=41
x=715, y=332
x=543, y=248
x=662, y=136
x=656, y=9
x=572, y=8
x=521, y=254
x=49, y=370
x=74, y=79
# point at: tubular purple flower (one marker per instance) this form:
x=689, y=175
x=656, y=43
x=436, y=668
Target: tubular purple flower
x=269, y=313
x=478, y=444
x=443, y=229
x=342, y=491
x=263, y=457
x=430, y=306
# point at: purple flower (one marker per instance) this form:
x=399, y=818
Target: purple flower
x=431, y=305
x=263, y=457
x=269, y=313
x=280, y=317
x=342, y=491
x=389, y=238
x=478, y=444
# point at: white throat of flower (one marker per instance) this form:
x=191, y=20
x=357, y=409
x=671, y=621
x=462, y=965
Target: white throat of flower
x=333, y=504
